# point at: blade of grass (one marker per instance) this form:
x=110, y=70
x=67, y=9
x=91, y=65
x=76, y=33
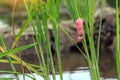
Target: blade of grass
x=117, y=41
x=13, y=51
x=20, y=33
x=100, y=26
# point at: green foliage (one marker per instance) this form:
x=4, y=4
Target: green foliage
x=87, y=13
x=40, y=13
x=43, y=12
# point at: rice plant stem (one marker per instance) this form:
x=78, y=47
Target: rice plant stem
x=100, y=27
x=117, y=41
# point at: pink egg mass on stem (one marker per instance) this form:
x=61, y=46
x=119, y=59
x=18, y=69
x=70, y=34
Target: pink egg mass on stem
x=79, y=26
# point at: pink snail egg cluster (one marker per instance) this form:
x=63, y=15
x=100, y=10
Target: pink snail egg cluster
x=79, y=26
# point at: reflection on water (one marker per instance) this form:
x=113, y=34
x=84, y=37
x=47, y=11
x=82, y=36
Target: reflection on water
x=73, y=75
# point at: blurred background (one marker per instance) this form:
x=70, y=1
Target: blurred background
x=71, y=58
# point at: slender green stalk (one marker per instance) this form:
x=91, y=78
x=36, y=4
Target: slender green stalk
x=18, y=36
x=100, y=26
x=117, y=41
x=13, y=51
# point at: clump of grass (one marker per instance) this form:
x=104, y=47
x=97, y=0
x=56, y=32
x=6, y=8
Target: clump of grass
x=87, y=13
x=44, y=11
